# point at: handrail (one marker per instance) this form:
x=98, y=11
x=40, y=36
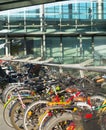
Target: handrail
x=69, y=66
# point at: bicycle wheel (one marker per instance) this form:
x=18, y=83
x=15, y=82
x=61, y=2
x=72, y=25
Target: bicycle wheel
x=6, y=111
x=97, y=100
x=103, y=121
x=33, y=115
x=5, y=91
x=8, y=90
x=17, y=113
x=86, y=84
x=103, y=87
x=47, y=115
x=13, y=92
x=65, y=121
x=43, y=121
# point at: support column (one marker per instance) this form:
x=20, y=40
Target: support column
x=92, y=46
x=9, y=51
x=61, y=47
x=81, y=52
x=6, y=47
x=8, y=21
x=91, y=14
x=42, y=17
x=43, y=47
x=25, y=50
x=81, y=49
x=100, y=9
x=25, y=24
x=62, y=53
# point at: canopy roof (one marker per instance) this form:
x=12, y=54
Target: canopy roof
x=12, y=4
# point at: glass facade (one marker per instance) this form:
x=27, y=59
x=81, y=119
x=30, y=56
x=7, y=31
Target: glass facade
x=66, y=31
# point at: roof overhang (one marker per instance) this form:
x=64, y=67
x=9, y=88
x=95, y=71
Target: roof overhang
x=13, y=4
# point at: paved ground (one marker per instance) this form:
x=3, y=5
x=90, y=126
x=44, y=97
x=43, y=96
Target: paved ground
x=3, y=125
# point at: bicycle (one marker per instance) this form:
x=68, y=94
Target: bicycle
x=97, y=113
x=84, y=112
x=39, y=94
x=32, y=108
x=19, y=95
x=64, y=121
x=102, y=115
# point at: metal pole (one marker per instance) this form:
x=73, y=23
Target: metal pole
x=80, y=36
x=44, y=46
x=6, y=47
x=81, y=51
x=25, y=50
x=100, y=9
x=8, y=21
x=92, y=46
x=42, y=17
x=61, y=47
x=25, y=29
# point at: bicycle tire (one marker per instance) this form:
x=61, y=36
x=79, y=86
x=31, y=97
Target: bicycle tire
x=9, y=94
x=6, y=111
x=32, y=122
x=103, y=87
x=43, y=121
x=103, y=121
x=45, y=118
x=7, y=90
x=17, y=112
x=97, y=100
x=66, y=117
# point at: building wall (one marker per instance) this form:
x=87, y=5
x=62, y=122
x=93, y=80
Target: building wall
x=54, y=28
